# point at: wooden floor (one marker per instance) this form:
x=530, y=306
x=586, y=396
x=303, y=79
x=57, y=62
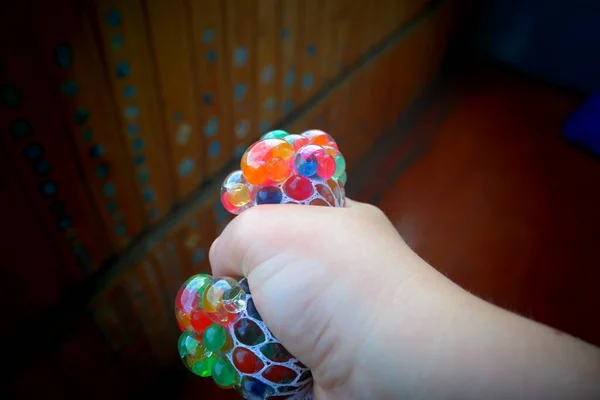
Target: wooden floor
x=496, y=200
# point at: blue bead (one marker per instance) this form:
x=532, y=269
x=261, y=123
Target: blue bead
x=143, y=177
x=252, y=388
x=69, y=88
x=290, y=77
x=121, y=230
x=306, y=164
x=178, y=116
x=139, y=159
x=267, y=74
x=307, y=81
x=240, y=56
x=288, y=105
x=240, y=150
x=117, y=42
x=110, y=190
x=244, y=285
x=251, y=309
x=138, y=144
x=212, y=126
x=97, y=151
x=269, y=195
x=264, y=126
x=65, y=222
x=214, y=148
x=88, y=135
x=129, y=91
x=207, y=98
x=111, y=206
x=48, y=189
x=33, y=151
x=208, y=35
x=148, y=195
x=64, y=55
x=82, y=114
x=199, y=256
x=186, y=167
x=311, y=50
x=221, y=214
x=240, y=91
x=131, y=111
x=102, y=170
x=42, y=167
x=133, y=129
x=113, y=18
x=211, y=56
x=123, y=69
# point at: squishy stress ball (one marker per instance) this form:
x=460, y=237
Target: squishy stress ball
x=223, y=335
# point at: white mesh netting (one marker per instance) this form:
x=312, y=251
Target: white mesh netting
x=297, y=387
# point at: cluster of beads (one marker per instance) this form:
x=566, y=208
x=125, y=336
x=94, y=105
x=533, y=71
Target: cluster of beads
x=283, y=168
x=225, y=338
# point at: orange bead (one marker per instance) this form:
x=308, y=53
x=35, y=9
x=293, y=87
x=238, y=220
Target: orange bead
x=320, y=138
x=183, y=320
x=278, y=169
x=255, y=161
x=319, y=202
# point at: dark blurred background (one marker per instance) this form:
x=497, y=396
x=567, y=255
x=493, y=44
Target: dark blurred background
x=120, y=119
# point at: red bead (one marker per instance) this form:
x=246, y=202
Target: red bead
x=297, y=141
x=246, y=361
x=199, y=321
x=279, y=374
x=298, y=187
x=326, y=164
x=227, y=204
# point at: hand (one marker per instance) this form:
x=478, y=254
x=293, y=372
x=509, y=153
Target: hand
x=342, y=292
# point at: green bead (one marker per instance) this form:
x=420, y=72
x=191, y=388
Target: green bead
x=343, y=179
x=214, y=337
x=204, y=367
x=340, y=166
x=187, y=344
x=223, y=373
x=198, y=283
x=278, y=134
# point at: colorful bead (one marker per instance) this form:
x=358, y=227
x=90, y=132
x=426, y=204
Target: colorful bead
x=214, y=337
x=223, y=335
x=306, y=162
x=320, y=138
x=277, y=134
x=267, y=160
x=279, y=374
x=252, y=388
x=246, y=361
x=297, y=141
x=269, y=195
x=298, y=187
x=248, y=332
x=236, y=193
x=223, y=299
x=236, y=352
x=223, y=373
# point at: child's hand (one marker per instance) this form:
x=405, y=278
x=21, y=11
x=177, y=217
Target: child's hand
x=342, y=292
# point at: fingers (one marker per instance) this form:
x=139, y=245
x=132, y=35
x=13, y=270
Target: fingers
x=260, y=233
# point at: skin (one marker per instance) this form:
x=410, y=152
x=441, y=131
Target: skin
x=344, y=293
